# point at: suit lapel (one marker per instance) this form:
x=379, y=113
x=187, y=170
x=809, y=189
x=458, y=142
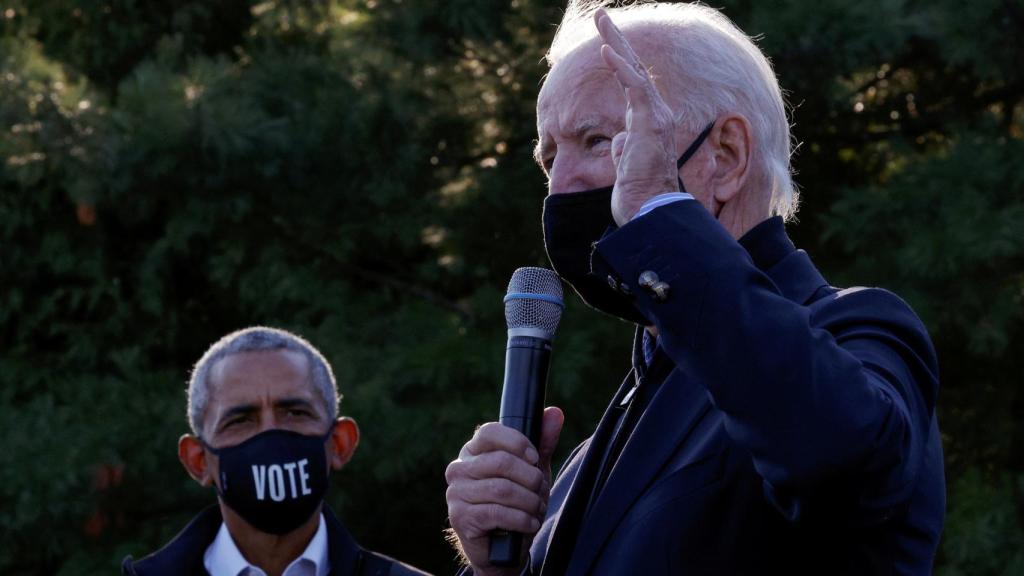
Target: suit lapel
x=666, y=423
x=568, y=525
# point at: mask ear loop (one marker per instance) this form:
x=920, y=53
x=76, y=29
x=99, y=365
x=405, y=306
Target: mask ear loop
x=216, y=452
x=325, y=438
x=691, y=151
x=211, y=449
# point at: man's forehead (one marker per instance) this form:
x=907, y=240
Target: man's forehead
x=261, y=372
x=583, y=65
x=576, y=96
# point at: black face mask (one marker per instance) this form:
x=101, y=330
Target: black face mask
x=573, y=223
x=274, y=480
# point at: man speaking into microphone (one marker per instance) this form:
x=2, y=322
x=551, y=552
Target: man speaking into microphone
x=263, y=407
x=771, y=423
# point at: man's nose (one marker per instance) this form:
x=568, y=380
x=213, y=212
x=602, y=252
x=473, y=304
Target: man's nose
x=567, y=175
x=268, y=420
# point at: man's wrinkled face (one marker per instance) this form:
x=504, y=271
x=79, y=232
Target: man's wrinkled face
x=251, y=392
x=580, y=109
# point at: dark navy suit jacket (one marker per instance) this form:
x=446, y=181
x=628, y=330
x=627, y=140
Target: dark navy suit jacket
x=793, y=431
x=183, y=556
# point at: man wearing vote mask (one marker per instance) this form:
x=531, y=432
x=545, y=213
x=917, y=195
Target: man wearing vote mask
x=771, y=424
x=263, y=407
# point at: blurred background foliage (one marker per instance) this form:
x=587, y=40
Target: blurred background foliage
x=360, y=172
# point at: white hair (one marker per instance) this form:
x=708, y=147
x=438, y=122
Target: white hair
x=253, y=339
x=714, y=68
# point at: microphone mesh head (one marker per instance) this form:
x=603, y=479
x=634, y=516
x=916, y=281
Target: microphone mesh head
x=534, y=300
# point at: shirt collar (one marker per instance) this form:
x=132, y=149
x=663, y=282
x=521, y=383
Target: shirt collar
x=223, y=558
x=316, y=551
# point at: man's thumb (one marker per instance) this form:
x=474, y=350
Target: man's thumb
x=618, y=143
x=551, y=429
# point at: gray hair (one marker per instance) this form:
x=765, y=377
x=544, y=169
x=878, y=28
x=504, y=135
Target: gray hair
x=253, y=339
x=716, y=68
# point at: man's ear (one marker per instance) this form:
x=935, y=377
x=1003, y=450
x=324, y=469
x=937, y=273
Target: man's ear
x=193, y=458
x=732, y=143
x=343, y=441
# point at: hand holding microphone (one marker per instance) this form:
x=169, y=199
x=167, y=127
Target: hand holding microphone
x=501, y=480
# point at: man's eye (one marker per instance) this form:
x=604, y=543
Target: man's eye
x=298, y=412
x=596, y=140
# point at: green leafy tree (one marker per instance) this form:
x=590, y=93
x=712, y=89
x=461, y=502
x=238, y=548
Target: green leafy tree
x=360, y=172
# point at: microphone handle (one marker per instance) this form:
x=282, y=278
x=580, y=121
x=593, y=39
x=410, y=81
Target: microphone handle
x=522, y=408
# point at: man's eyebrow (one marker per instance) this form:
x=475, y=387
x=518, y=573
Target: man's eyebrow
x=239, y=410
x=294, y=403
x=585, y=125
x=579, y=130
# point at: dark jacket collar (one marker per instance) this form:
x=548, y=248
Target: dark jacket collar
x=342, y=549
x=183, y=556
x=767, y=243
x=790, y=269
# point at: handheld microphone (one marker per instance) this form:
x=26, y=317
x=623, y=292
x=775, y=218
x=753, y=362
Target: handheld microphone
x=533, y=308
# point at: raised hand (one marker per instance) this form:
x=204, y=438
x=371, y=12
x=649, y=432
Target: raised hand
x=645, y=153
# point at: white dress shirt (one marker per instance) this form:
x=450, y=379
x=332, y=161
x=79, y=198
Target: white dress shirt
x=661, y=200
x=222, y=557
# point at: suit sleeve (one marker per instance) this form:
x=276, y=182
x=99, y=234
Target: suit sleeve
x=842, y=389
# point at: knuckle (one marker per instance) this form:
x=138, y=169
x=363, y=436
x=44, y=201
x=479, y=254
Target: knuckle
x=530, y=502
x=502, y=490
x=455, y=513
x=491, y=515
x=478, y=517
x=523, y=522
x=536, y=480
x=454, y=471
x=451, y=495
x=502, y=463
x=497, y=466
x=488, y=430
x=507, y=465
x=522, y=443
x=479, y=492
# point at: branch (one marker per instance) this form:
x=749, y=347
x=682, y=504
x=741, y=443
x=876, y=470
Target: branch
x=403, y=286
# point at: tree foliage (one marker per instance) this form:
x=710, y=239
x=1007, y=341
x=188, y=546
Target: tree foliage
x=360, y=172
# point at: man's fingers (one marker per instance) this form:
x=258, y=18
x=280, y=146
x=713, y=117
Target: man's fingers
x=477, y=520
x=497, y=491
x=493, y=436
x=642, y=97
x=624, y=73
x=505, y=465
x=618, y=144
x=619, y=55
x=551, y=430
x=496, y=465
x=495, y=483
x=615, y=39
